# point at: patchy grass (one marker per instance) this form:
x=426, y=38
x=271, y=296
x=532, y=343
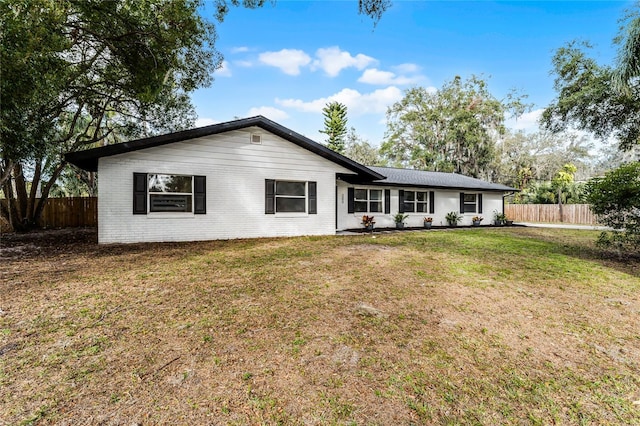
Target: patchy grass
x=469, y=326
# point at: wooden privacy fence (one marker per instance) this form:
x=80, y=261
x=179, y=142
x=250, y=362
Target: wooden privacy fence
x=69, y=212
x=571, y=213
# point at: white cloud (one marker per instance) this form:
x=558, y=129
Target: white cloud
x=244, y=64
x=357, y=103
x=527, y=121
x=333, y=60
x=205, y=121
x=407, y=68
x=385, y=78
x=288, y=60
x=271, y=113
x=239, y=49
x=224, y=70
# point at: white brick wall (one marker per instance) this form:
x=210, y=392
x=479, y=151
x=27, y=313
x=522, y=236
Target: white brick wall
x=445, y=202
x=235, y=173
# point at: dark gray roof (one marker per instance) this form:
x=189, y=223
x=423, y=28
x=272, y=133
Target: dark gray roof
x=420, y=178
x=88, y=159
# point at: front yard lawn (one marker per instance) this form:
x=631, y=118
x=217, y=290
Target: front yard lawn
x=470, y=326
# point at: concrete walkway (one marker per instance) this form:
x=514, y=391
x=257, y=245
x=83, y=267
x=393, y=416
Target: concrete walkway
x=564, y=226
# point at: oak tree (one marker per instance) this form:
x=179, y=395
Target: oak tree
x=452, y=129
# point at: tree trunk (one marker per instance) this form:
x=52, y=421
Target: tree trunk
x=23, y=208
x=5, y=172
x=44, y=196
x=560, y=205
x=9, y=206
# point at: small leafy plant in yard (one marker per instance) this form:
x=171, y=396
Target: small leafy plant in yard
x=368, y=221
x=453, y=218
x=399, y=219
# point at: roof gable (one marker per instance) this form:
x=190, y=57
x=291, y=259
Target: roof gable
x=88, y=159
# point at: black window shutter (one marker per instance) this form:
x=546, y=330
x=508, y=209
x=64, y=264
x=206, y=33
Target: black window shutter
x=269, y=196
x=200, y=194
x=350, y=200
x=139, y=193
x=479, y=203
x=313, y=200
x=432, y=202
x=387, y=201
x=401, y=201
x=462, y=202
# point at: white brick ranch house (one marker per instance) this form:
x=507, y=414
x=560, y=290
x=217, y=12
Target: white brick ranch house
x=255, y=178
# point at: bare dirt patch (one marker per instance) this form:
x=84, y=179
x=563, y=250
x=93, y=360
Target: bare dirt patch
x=471, y=326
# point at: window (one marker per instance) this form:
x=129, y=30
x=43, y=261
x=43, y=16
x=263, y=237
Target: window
x=170, y=193
x=291, y=197
x=367, y=200
x=283, y=196
x=470, y=203
x=416, y=202
x=163, y=193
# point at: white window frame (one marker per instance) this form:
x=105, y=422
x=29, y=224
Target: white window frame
x=370, y=201
x=152, y=193
x=415, y=201
x=474, y=203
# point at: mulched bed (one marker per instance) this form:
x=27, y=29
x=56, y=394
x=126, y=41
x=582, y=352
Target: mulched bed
x=35, y=243
x=421, y=228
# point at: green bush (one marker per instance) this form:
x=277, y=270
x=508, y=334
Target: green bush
x=615, y=200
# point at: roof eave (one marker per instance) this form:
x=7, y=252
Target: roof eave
x=356, y=180
x=88, y=159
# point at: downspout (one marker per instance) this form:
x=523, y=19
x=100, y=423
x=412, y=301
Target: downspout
x=504, y=196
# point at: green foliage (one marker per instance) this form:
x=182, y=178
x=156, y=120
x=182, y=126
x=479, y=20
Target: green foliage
x=335, y=126
x=373, y=8
x=400, y=217
x=453, y=218
x=563, y=179
x=545, y=193
x=74, y=182
x=526, y=157
x=74, y=71
x=588, y=100
x=615, y=199
x=32, y=71
x=560, y=190
x=362, y=151
x=451, y=130
x=537, y=193
x=499, y=217
x=628, y=61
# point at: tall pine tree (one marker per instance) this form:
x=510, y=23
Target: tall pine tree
x=335, y=126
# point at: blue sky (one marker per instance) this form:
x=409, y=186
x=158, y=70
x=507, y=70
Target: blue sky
x=287, y=61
